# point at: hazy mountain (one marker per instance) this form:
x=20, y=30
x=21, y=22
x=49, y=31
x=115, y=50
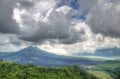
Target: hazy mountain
x=37, y=56
x=106, y=52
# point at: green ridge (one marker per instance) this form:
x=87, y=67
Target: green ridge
x=17, y=71
x=109, y=67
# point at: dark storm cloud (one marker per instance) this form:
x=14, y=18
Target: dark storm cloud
x=56, y=27
x=63, y=35
x=105, y=18
x=7, y=23
x=26, y=4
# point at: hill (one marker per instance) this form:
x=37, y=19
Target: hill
x=101, y=74
x=37, y=56
x=106, y=52
x=112, y=68
x=17, y=71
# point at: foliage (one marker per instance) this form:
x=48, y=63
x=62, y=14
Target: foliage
x=110, y=67
x=29, y=71
x=100, y=74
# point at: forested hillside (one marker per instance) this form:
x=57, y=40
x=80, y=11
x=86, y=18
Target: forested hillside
x=17, y=71
x=111, y=68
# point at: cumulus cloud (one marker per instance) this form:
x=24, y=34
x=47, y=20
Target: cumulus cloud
x=104, y=18
x=55, y=25
x=25, y=4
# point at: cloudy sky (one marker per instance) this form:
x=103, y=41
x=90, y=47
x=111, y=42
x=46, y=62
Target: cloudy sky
x=59, y=26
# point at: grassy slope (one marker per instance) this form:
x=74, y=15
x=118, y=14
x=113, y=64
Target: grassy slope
x=16, y=71
x=100, y=74
x=108, y=67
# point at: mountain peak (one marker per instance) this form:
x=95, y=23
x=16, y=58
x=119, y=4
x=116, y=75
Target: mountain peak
x=32, y=47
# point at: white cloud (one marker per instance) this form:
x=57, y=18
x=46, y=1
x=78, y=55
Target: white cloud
x=64, y=9
x=87, y=46
x=45, y=5
x=10, y=48
x=56, y=25
x=56, y=49
x=8, y=44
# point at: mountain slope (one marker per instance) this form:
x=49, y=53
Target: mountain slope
x=108, y=52
x=39, y=57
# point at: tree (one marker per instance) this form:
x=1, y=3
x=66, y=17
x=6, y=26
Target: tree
x=118, y=75
x=1, y=60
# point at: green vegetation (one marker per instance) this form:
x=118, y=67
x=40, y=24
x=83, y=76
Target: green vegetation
x=100, y=74
x=108, y=67
x=17, y=71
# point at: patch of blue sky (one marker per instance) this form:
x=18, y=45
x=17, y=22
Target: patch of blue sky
x=81, y=16
x=59, y=4
x=74, y=4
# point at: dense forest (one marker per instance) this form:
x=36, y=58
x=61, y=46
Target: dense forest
x=16, y=71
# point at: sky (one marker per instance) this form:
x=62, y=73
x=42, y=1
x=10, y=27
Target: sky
x=63, y=27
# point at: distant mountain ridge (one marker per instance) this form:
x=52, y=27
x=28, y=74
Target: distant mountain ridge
x=106, y=52
x=37, y=56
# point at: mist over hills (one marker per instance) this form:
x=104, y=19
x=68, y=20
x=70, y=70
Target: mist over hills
x=106, y=52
